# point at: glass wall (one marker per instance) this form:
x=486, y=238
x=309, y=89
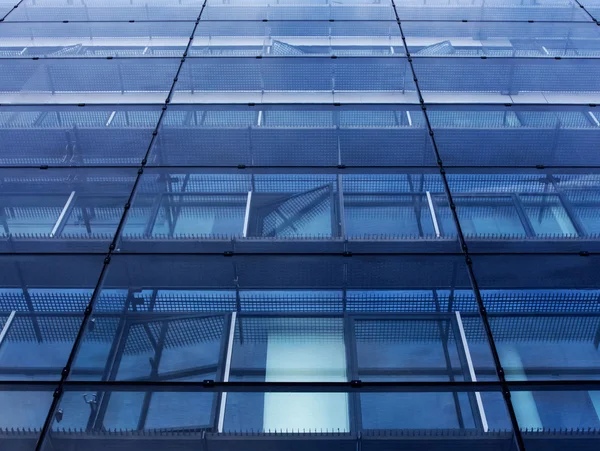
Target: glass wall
x=299, y=224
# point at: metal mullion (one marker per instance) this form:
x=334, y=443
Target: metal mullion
x=341, y=207
x=444, y=335
x=61, y=222
x=184, y=185
x=333, y=212
x=158, y=350
x=468, y=373
x=354, y=401
x=154, y=212
x=226, y=371
x=415, y=204
x=29, y=302
x=113, y=362
x=525, y=222
x=568, y=207
x=220, y=369
x=6, y=327
x=112, y=375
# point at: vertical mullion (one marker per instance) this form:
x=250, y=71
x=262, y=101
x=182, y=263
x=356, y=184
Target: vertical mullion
x=444, y=335
x=160, y=345
x=354, y=405
x=226, y=371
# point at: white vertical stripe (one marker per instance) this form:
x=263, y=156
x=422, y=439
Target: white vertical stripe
x=227, y=370
x=463, y=338
x=7, y=326
x=110, y=119
x=593, y=116
x=62, y=214
x=247, y=215
x=436, y=227
x=409, y=118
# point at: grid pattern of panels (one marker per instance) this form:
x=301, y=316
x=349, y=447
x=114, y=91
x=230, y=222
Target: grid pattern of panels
x=311, y=192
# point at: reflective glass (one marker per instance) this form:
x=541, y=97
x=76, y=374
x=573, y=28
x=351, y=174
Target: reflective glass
x=502, y=39
x=93, y=80
x=297, y=38
x=552, y=207
x=293, y=136
x=519, y=137
x=42, y=299
x=265, y=212
x=76, y=135
x=111, y=10
x=505, y=10
x=508, y=80
x=258, y=419
x=546, y=326
x=94, y=39
x=295, y=80
x=22, y=423
x=62, y=209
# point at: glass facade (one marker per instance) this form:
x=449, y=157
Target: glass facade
x=292, y=225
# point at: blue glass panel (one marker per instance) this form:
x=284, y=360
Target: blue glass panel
x=285, y=80
x=286, y=272
x=249, y=421
x=511, y=10
x=22, y=423
x=292, y=136
x=502, y=80
x=519, y=137
x=42, y=299
x=553, y=208
x=502, y=39
x=80, y=40
x=62, y=210
x=94, y=10
x=76, y=136
x=299, y=11
x=160, y=335
x=86, y=81
x=297, y=38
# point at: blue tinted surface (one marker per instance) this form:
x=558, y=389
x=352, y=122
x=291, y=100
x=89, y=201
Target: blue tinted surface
x=286, y=197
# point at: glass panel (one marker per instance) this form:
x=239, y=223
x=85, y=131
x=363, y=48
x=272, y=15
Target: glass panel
x=81, y=40
x=42, y=300
x=294, y=10
x=508, y=80
x=559, y=412
x=543, y=206
x=95, y=10
x=50, y=209
x=22, y=423
x=294, y=80
x=544, y=315
x=506, y=10
x=395, y=207
x=499, y=39
x=443, y=346
x=296, y=38
x=292, y=136
x=66, y=80
x=76, y=136
x=243, y=421
x=486, y=136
